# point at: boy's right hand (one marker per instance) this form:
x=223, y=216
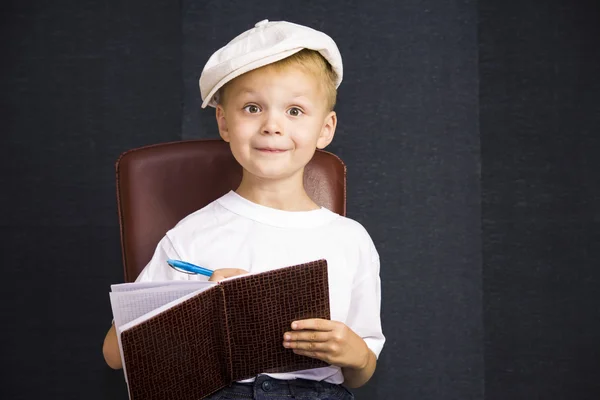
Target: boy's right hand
x=223, y=273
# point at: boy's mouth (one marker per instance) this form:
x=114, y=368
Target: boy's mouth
x=270, y=150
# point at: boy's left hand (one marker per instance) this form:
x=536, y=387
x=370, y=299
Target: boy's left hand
x=330, y=341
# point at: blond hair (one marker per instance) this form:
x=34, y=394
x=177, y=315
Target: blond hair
x=314, y=63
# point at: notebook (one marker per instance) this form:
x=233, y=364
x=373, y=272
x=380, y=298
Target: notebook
x=186, y=341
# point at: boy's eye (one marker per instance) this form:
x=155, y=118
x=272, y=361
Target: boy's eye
x=295, y=111
x=252, y=109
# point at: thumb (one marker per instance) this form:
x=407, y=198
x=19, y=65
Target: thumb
x=224, y=273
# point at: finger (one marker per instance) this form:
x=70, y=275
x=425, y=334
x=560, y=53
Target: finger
x=223, y=273
x=312, y=354
x=315, y=324
x=308, y=346
x=307, y=336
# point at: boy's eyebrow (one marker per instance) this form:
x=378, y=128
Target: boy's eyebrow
x=250, y=91
x=300, y=94
x=246, y=91
x=296, y=95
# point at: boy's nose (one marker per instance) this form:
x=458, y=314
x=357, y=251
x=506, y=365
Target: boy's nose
x=271, y=126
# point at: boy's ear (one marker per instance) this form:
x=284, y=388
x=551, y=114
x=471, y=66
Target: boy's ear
x=327, y=131
x=222, y=123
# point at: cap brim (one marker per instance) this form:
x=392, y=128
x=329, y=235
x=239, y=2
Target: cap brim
x=209, y=101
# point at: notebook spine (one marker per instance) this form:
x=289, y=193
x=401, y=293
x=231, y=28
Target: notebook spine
x=227, y=334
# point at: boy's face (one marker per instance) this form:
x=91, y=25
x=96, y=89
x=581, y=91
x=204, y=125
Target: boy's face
x=274, y=120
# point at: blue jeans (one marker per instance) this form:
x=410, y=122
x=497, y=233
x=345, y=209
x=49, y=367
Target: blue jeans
x=266, y=388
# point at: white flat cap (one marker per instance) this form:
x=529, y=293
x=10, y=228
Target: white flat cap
x=264, y=44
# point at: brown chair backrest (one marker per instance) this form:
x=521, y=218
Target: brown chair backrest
x=159, y=185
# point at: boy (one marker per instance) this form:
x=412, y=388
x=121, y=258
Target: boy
x=274, y=90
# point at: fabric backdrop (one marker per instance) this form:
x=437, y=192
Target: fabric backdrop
x=470, y=131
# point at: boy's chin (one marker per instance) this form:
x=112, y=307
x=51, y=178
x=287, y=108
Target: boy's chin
x=274, y=175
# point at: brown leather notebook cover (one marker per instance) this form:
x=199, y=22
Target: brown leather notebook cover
x=227, y=333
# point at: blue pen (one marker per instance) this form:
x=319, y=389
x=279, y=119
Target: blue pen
x=188, y=268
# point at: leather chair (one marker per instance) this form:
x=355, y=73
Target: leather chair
x=159, y=185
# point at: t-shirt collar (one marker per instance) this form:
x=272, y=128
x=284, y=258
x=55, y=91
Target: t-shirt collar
x=275, y=217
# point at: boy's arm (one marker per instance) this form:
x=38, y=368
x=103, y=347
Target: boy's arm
x=356, y=377
x=336, y=344
x=157, y=269
x=355, y=345
x=110, y=349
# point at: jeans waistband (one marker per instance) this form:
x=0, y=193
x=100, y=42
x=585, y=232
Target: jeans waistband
x=265, y=387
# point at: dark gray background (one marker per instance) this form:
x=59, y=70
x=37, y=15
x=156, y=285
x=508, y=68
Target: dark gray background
x=470, y=131
x=540, y=143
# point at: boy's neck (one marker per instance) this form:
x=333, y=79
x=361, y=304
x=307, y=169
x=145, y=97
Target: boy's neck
x=282, y=195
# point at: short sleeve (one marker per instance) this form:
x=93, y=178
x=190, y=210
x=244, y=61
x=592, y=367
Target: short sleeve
x=158, y=269
x=364, y=317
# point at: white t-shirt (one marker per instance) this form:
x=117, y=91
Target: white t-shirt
x=233, y=232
